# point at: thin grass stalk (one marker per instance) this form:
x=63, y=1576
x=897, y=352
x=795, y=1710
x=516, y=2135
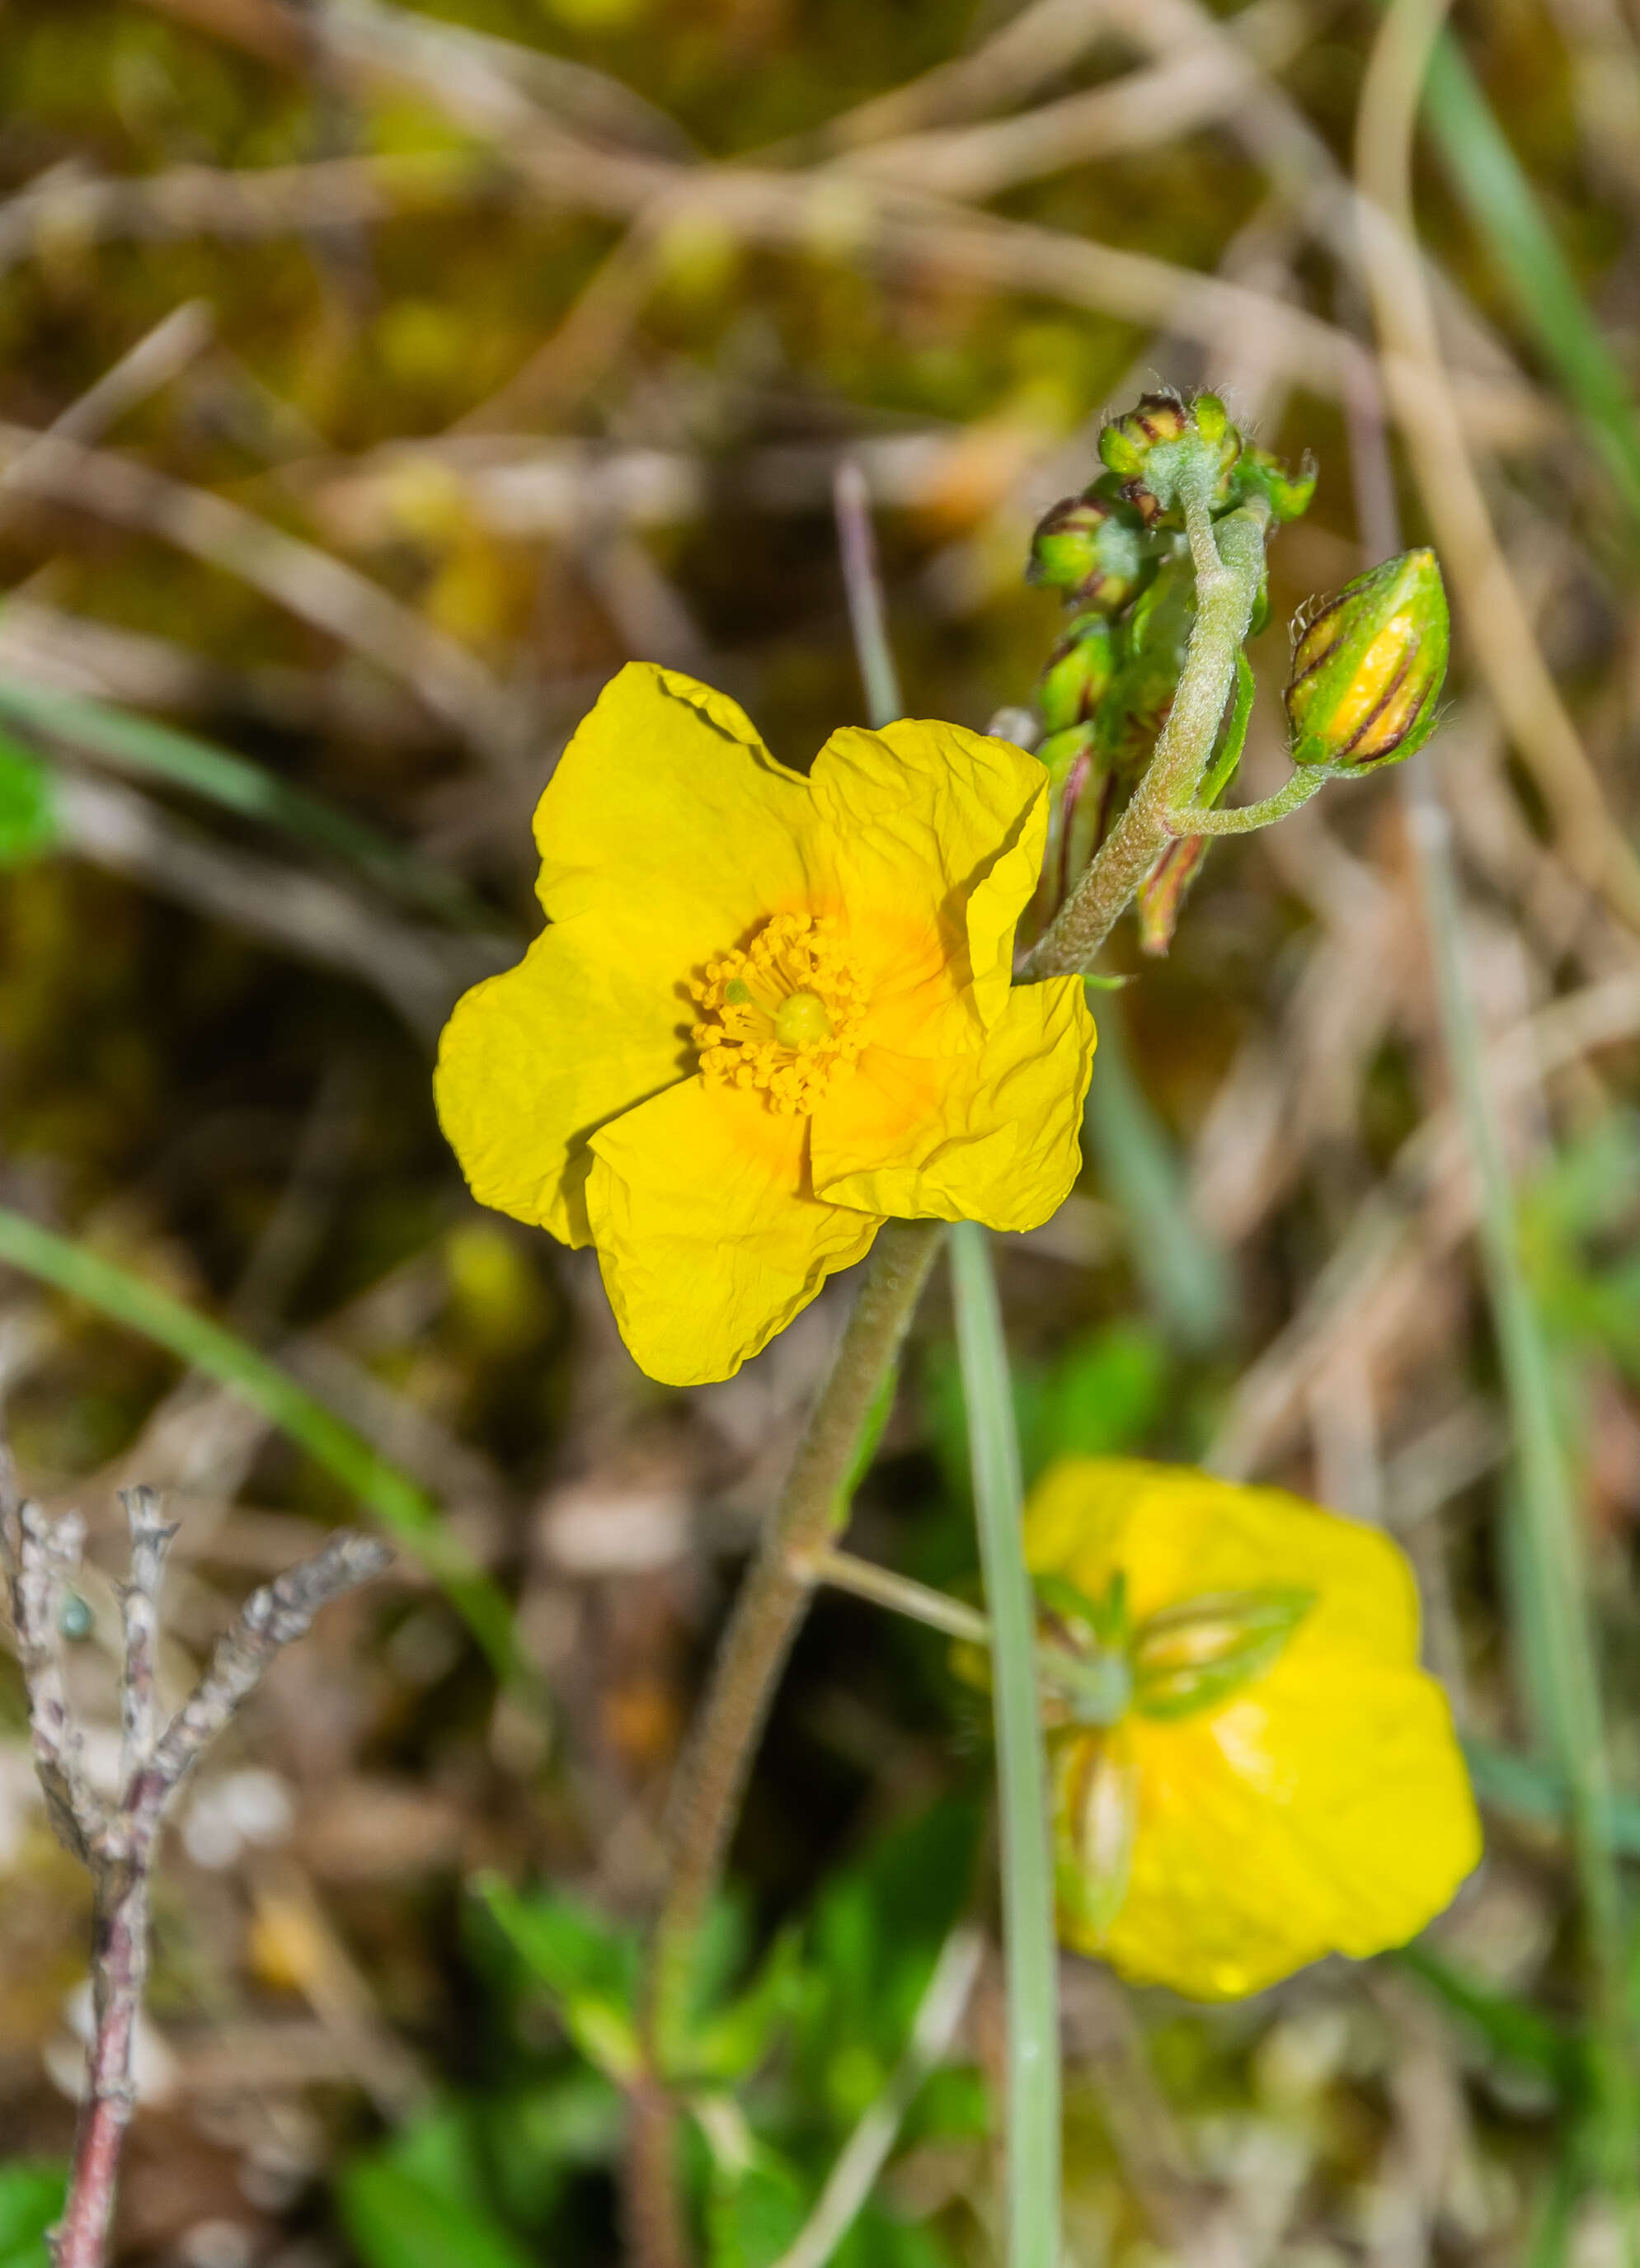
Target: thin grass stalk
x=1550, y=1532
x=1033, y=2181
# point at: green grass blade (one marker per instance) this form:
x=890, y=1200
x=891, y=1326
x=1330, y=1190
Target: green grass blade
x=234, y=783
x=1504, y=206
x=1526, y=1788
x=1034, y=2116
x=1549, y=1534
x=379, y=1486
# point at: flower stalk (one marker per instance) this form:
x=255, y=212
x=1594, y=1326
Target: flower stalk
x=771, y=1605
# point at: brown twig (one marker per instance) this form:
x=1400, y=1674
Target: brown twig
x=117, y=1839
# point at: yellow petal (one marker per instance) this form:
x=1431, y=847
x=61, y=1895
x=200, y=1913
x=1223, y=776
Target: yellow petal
x=928, y=815
x=1324, y=1809
x=669, y=823
x=1176, y=1531
x=532, y=1061
x=993, y=1136
x=708, y=1239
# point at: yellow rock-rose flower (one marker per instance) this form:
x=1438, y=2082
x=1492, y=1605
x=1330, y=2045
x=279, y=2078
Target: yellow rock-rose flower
x=1319, y=1804
x=768, y=1011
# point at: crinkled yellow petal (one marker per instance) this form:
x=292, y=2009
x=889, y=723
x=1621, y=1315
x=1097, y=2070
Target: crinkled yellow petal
x=708, y=1239
x=532, y=1061
x=1324, y=1809
x=993, y=1136
x=1174, y=1531
x=668, y=822
x=945, y=827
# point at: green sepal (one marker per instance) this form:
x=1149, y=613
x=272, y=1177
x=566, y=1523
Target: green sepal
x=1079, y=669
x=1193, y=1655
x=1095, y=1798
x=1257, y=473
x=1102, y=1622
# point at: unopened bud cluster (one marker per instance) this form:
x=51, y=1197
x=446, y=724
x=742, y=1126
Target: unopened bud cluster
x=1117, y=552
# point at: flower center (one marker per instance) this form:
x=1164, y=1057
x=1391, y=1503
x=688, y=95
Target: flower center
x=785, y=1014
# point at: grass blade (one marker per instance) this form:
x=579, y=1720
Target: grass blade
x=1034, y=2117
x=1501, y=202
x=395, y=1499
x=138, y=744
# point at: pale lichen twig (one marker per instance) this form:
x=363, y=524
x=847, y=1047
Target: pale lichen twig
x=116, y=1838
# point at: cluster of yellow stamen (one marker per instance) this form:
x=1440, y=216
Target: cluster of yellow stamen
x=785, y=1014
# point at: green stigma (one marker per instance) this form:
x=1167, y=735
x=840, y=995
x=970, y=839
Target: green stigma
x=801, y=1020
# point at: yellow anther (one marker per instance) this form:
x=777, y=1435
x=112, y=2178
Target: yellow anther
x=801, y=1020
x=782, y=1015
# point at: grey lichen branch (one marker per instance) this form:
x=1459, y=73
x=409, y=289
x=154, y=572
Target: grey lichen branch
x=116, y=1838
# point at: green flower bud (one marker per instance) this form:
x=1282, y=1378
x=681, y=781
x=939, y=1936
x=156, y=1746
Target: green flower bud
x=1142, y=450
x=1368, y=668
x=1127, y=441
x=1212, y=419
x=1090, y=549
x=1079, y=669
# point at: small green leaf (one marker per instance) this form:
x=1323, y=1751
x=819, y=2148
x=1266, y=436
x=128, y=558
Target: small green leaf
x=751, y=2221
x=396, y=2221
x=28, y=817
x=1193, y=1655
x=590, y=1969
x=731, y=2042
x=31, y=2192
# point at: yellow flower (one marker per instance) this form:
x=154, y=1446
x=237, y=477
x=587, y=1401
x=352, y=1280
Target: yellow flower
x=768, y=1011
x=1319, y=1805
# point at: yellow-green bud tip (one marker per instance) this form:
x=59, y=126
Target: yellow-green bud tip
x=1368, y=667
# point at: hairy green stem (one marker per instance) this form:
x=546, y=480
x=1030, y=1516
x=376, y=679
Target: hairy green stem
x=1248, y=818
x=771, y=1605
x=1229, y=558
x=1033, y=2190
